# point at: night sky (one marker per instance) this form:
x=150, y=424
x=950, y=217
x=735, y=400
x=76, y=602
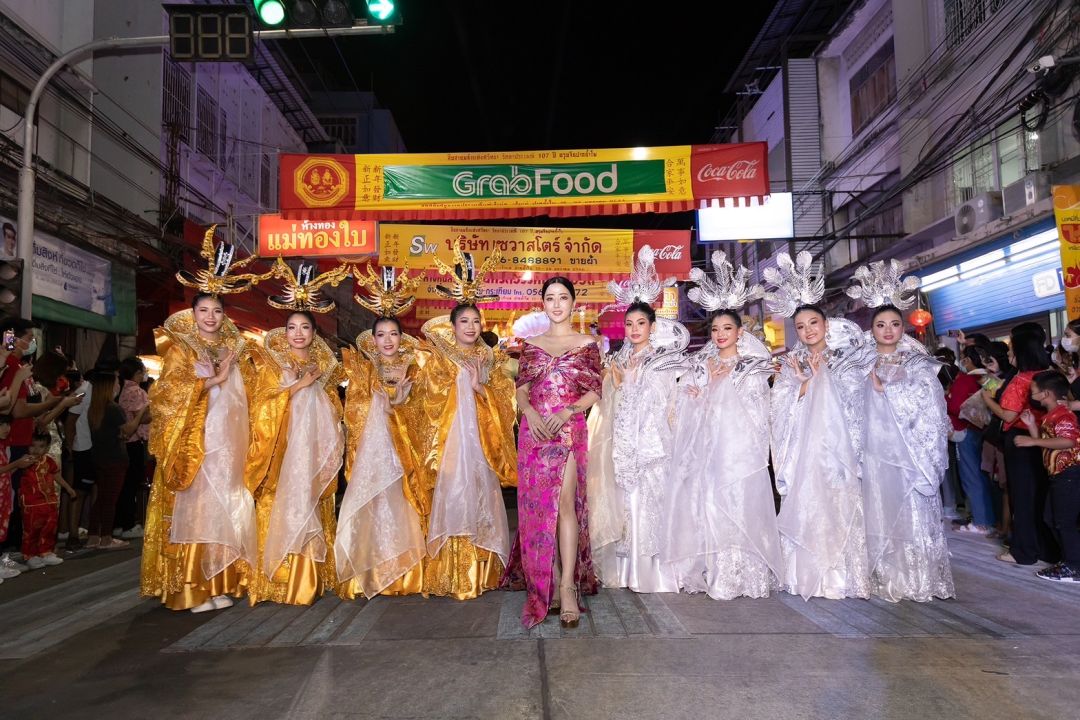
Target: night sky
x=465, y=75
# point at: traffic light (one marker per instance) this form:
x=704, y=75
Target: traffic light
x=326, y=13
x=11, y=271
x=210, y=33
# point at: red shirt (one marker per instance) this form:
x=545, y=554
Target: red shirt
x=963, y=387
x=22, y=429
x=38, y=484
x=1061, y=423
x=1017, y=397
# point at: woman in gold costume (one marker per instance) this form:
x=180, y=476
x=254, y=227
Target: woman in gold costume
x=380, y=544
x=468, y=404
x=200, y=526
x=296, y=447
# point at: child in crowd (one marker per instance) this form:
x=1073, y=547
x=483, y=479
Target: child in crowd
x=7, y=498
x=40, y=502
x=1059, y=436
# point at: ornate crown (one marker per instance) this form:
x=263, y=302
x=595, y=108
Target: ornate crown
x=466, y=281
x=219, y=277
x=643, y=285
x=729, y=291
x=880, y=283
x=390, y=295
x=302, y=289
x=794, y=284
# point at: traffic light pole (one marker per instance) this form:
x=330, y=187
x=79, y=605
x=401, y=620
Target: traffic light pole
x=26, y=173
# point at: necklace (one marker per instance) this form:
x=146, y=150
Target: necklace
x=211, y=349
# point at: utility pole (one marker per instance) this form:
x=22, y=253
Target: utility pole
x=26, y=173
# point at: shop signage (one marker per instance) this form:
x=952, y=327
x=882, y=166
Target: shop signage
x=438, y=185
x=315, y=238
x=527, y=292
x=1067, y=215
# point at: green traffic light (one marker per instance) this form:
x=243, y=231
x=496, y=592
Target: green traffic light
x=380, y=10
x=271, y=12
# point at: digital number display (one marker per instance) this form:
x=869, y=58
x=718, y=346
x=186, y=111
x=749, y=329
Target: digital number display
x=209, y=33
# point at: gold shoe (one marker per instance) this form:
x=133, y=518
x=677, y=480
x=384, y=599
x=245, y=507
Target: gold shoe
x=569, y=623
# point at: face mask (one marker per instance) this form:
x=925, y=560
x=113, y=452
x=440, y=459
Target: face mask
x=1070, y=344
x=31, y=349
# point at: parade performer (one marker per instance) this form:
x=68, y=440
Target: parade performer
x=380, y=545
x=721, y=516
x=296, y=447
x=816, y=431
x=200, y=538
x=630, y=439
x=468, y=403
x=558, y=380
x=905, y=447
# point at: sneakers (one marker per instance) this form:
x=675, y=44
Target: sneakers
x=7, y=561
x=51, y=559
x=117, y=532
x=63, y=536
x=973, y=529
x=83, y=532
x=17, y=556
x=35, y=563
x=1058, y=573
x=135, y=532
x=7, y=573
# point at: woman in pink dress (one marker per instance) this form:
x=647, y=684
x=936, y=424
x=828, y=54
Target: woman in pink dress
x=558, y=380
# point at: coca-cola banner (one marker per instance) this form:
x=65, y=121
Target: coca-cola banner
x=466, y=186
x=730, y=171
x=671, y=248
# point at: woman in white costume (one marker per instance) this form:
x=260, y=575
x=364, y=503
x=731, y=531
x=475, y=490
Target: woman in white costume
x=630, y=440
x=721, y=517
x=905, y=448
x=815, y=424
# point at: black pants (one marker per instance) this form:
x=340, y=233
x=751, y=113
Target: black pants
x=128, y=503
x=1065, y=511
x=1032, y=537
x=14, y=538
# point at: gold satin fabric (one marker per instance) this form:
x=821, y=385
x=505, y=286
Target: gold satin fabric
x=406, y=431
x=460, y=570
x=178, y=404
x=299, y=580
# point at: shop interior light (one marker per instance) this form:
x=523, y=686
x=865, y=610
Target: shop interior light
x=1036, y=253
x=988, y=258
x=927, y=287
x=983, y=269
x=1046, y=237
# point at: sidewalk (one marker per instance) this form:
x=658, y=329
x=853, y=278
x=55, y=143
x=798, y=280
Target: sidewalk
x=1007, y=648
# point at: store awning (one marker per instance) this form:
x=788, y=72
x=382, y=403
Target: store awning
x=499, y=185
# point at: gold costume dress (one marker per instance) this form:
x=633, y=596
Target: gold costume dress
x=380, y=545
x=292, y=470
x=200, y=520
x=471, y=455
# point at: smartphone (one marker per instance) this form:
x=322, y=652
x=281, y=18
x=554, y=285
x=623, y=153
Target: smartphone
x=79, y=396
x=9, y=340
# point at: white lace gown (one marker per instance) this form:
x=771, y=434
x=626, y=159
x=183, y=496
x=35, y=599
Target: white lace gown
x=721, y=518
x=904, y=460
x=638, y=418
x=815, y=445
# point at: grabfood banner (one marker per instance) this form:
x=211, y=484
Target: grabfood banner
x=72, y=276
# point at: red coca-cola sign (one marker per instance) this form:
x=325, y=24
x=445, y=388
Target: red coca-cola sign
x=725, y=171
x=671, y=250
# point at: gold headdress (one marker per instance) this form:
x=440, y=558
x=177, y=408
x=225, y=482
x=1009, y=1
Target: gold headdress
x=217, y=278
x=388, y=296
x=466, y=280
x=302, y=289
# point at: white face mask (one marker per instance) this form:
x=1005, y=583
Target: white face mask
x=31, y=349
x=1069, y=344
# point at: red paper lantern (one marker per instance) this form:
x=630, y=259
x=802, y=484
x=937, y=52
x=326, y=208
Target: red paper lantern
x=920, y=318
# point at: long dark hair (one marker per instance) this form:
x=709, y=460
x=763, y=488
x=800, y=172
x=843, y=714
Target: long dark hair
x=1028, y=348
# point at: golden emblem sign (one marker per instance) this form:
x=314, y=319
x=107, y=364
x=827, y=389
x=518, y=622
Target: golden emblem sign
x=321, y=182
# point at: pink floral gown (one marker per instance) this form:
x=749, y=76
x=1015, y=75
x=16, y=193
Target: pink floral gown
x=554, y=383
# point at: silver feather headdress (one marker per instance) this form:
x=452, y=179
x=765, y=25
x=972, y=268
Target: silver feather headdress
x=794, y=284
x=729, y=291
x=880, y=283
x=643, y=285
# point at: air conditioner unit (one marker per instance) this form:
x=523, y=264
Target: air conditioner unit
x=1028, y=190
x=978, y=211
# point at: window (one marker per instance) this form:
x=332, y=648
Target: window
x=13, y=95
x=223, y=127
x=341, y=128
x=266, y=183
x=176, y=98
x=1018, y=152
x=248, y=151
x=873, y=87
x=972, y=172
x=206, y=132
x=962, y=17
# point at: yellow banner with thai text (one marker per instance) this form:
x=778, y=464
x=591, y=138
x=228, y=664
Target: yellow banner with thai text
x=527, y=292
x=1067, y=215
